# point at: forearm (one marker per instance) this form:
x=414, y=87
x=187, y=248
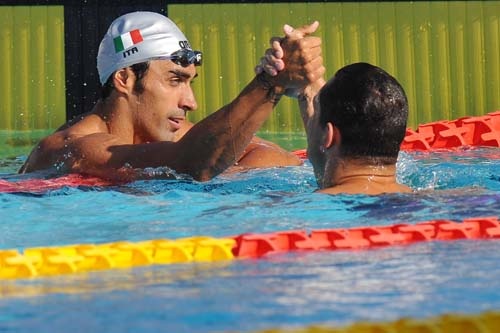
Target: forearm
x=306, y=102
x=215, y=143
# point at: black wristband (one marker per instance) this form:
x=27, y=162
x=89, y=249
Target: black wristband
x=272, y=93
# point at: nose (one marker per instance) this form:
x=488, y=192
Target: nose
x=188, y=100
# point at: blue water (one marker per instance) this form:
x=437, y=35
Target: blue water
x=285, y=290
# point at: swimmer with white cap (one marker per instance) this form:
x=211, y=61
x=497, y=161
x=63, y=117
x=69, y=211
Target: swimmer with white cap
x=146, y=66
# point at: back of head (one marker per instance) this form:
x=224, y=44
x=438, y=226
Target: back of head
x=370, y=109
x=135, y=38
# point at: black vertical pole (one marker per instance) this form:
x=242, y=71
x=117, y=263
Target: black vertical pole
x=85, y=23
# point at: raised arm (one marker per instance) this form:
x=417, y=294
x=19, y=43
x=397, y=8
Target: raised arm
x=229, y=130
x=272, y=63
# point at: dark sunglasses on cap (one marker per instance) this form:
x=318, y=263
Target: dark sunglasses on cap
x=186, y=57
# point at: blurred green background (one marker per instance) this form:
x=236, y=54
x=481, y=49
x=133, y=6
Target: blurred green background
x=446, y=54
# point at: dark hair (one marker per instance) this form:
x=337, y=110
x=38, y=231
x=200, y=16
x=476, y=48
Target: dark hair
x=370, y=109
x=139, y=70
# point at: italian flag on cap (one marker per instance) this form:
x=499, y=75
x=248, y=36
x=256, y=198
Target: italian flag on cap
x=126, y=40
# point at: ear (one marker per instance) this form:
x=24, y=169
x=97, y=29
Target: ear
x=331, y=135
x=123, y=80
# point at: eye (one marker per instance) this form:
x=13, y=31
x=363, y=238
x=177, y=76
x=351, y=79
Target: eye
x=175, y=81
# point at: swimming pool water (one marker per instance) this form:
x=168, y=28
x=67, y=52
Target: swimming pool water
x=284, y=290
x=280, y=291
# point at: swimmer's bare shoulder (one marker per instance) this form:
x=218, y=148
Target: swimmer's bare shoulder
x=261, y=153
x=49, y=150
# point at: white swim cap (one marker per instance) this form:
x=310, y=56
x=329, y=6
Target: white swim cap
x=137, y=37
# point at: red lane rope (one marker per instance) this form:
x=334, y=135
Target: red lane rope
x=258, y=245
x=466, y=131
x=449, y=134
x=42, y=185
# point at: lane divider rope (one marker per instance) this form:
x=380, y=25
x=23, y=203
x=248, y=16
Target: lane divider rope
x=35, y=185
x=465, y=131
x=486, y=322
x=57, y=260
x=449, y=134
x=257, y=245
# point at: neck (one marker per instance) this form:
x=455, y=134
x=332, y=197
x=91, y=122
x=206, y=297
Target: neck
x=356, y=172
x=117, y=118
x=357, y=176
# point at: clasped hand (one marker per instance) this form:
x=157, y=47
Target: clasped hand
x=294, y=61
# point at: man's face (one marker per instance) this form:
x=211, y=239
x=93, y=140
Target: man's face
x=160, y=109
